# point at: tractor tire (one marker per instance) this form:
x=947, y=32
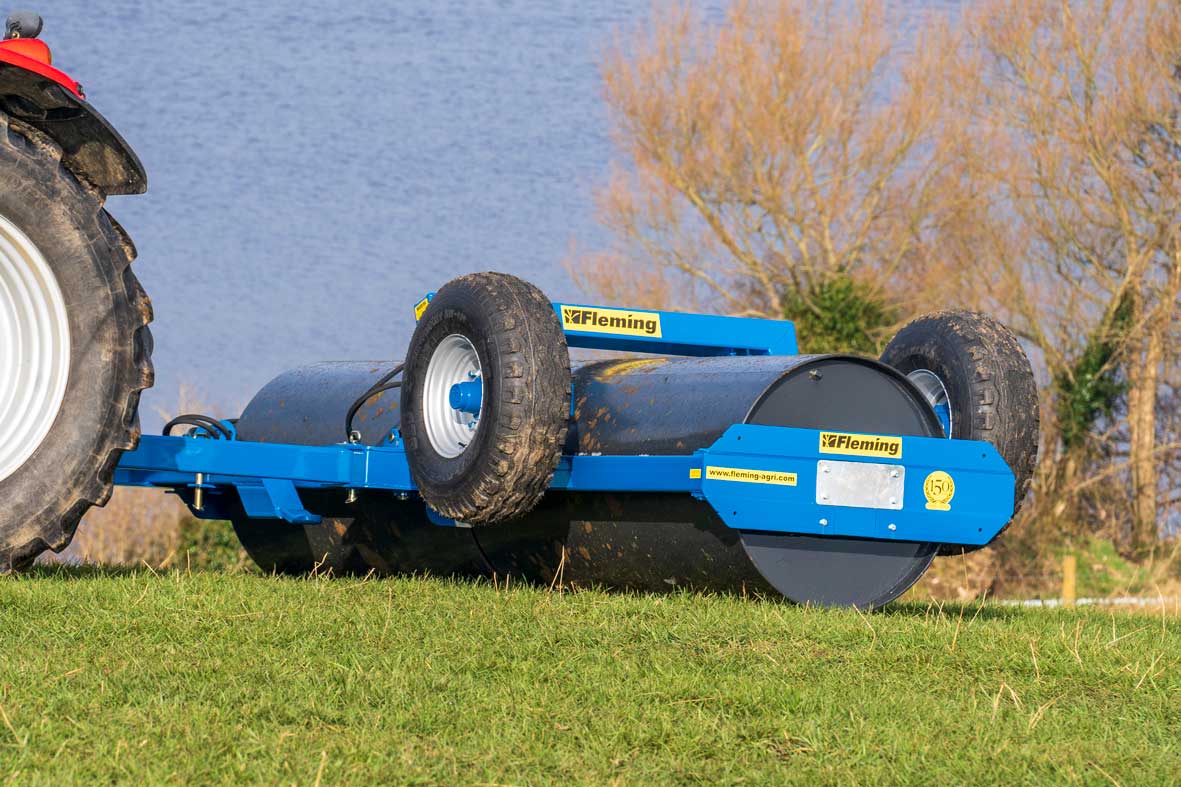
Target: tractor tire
x=494, y=464
x=987, y=383
x=75, y=349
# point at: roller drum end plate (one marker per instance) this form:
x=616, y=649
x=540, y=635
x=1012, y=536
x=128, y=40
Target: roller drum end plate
x=850, y=395
x=837, y=572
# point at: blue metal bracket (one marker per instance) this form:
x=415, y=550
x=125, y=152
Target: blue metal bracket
x=945, y=491
x=666, y=333
x=273, y=498
x=673, y=333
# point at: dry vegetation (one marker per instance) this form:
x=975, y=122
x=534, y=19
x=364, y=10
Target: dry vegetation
x=822, y=163
x=141, y=526
x=137, y=526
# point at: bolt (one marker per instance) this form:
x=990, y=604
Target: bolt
x=824, y=523
x=199, y=492
x=894, y=474
x=824, y=496
x=351, y=497
x=473, y=374
x=471, y=424
x=815, y=374
x=893, y=501
x=827, y=469
x=892, y=526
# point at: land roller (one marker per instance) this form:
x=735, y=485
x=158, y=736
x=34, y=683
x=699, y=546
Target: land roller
x=707, y=453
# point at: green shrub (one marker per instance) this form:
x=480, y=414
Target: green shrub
x=1094, y=386
x=840, y=314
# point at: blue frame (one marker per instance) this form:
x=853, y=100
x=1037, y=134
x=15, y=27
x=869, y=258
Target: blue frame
x=758, y=478
x=683, y=334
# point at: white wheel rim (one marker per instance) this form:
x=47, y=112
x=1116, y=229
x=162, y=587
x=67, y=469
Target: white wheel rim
x=34, y=348
x=454, y=361
x=934, y=391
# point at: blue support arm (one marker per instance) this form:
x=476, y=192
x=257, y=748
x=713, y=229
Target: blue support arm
x=666, y=333
x=673, y=333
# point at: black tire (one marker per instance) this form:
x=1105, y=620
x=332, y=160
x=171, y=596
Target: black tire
x=990, y=386
x=72, y=469
x=522, y=350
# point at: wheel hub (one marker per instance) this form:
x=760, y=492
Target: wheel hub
x=935, y=392
x=453, y=396
x=34, y=348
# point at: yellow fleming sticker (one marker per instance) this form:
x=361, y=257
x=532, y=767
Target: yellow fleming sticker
x=621, y=322
x=750, y=476
x=939, y=490
x=420, y=307
x=861, y=445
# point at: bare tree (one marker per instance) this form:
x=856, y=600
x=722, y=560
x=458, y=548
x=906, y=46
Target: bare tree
x=769, y=153
x=1074, y=169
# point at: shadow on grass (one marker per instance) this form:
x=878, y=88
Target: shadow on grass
x=906, y=609
x=63, y=572
x=970, y=610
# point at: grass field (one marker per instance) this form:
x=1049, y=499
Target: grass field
x=205, y=677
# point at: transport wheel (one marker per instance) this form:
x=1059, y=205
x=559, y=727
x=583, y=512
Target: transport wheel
x=75, y=350
x=486, y=398
x=972, y=370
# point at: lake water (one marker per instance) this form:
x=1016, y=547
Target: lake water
x=315, y=169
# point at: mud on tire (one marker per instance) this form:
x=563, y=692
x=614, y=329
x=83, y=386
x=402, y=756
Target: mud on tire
x=73, y=465
x=989, y=382
x=522, y=423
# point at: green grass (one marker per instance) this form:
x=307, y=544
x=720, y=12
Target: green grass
x=202, y=678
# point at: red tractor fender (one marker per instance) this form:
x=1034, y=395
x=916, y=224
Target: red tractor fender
x=47, y=99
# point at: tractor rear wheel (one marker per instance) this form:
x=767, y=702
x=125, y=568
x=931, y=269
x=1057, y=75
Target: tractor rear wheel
x=75, y=350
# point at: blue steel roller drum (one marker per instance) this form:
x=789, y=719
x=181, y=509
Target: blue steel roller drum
x=733, y=465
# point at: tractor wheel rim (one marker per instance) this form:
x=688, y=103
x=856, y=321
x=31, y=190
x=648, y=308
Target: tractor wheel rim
x=935, y=392
x=34, y=348
x=454, y=361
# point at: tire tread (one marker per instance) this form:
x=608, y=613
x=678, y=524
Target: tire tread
x=1004, y=407
x=533, y=412
x=54, y=528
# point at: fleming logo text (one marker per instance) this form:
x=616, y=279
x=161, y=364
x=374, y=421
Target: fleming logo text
x=617, y=321
x=860, y=445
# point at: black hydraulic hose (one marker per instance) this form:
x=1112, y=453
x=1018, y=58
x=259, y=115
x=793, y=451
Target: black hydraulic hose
x=213, y=427
x=381, y=386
